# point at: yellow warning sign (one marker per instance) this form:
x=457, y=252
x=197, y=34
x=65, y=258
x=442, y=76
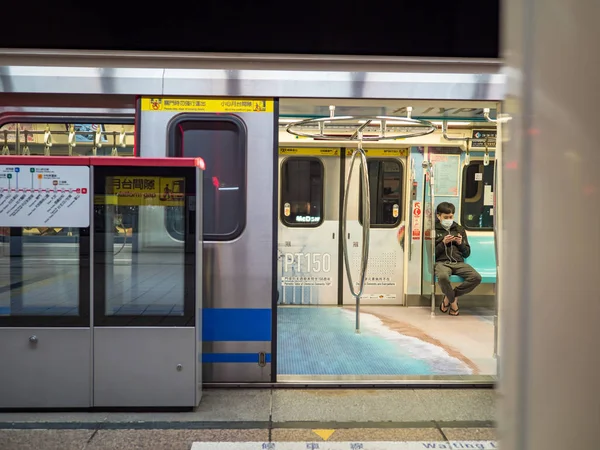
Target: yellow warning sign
x=209, y=105
x=375, y=152
x=309, y=151
x=324, y=434
x=144, y=191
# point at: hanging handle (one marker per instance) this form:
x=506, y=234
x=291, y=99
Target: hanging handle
x=366, y=225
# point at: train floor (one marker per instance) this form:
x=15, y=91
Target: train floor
x=274, y=419
x=394, y=343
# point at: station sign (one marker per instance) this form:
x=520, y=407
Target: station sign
x=143, y=191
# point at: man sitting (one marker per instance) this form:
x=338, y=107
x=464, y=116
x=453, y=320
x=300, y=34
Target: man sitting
x=451, y=249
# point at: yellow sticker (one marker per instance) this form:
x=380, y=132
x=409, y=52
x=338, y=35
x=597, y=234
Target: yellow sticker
x=324, y=434
x=374, y=152
x=209, y=105
x=309, y=151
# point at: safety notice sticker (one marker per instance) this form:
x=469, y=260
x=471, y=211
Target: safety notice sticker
x=51, y=196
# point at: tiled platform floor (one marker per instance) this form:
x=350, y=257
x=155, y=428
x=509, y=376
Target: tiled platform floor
x=267, y=416
x=380, y=439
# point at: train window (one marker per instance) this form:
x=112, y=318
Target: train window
x=101, y=139
x=386, y=189
x=107, y=138
x=477, y=209
x=302, y=192
x=221, y=142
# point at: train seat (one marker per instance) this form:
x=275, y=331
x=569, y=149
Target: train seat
x=482, y=259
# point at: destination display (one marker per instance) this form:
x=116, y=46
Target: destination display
x=51, y=196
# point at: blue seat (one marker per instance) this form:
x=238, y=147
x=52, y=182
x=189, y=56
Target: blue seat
x=482, y=258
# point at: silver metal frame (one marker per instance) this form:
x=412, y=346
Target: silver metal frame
x=56, y=72
x=199, y=286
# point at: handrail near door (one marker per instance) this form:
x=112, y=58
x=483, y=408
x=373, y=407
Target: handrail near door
x=366, y=226
x=495, y=206
x=431, y=181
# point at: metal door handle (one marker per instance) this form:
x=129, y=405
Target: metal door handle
x=33, y=339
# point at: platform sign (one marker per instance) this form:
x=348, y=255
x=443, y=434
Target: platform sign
x=207, y=105
x=49, y=196
x=146, y=191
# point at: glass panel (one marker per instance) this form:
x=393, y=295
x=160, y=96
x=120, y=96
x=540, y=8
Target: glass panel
x=385, y=185
x=147, y=277
x=302, y=192
x=40, y=272
x=151, y=280
x=478, y=200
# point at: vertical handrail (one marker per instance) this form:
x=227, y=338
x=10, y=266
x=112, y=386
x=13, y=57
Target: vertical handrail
x=497, y=196
x=409, y=222
x=366, y=225
x=432, y=234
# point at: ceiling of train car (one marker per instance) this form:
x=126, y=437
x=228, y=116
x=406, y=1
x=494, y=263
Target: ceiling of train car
x=456, y=111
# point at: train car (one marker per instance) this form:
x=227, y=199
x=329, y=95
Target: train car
x=278, y=304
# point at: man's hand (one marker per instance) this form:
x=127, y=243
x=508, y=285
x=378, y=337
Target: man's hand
x=447, y=239
x=458, y=239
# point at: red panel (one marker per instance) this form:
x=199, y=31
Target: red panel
x=45, y=160
x=133, y=161
x=116, y=161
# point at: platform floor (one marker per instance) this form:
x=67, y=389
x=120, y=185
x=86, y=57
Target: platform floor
x=288, y=418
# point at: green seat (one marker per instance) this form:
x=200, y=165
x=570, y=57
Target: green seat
x=482, y=259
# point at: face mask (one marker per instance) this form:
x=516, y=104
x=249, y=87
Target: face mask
x=447, y=223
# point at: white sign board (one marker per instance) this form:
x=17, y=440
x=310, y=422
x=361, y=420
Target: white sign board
x=44, y=196
x=488, y=195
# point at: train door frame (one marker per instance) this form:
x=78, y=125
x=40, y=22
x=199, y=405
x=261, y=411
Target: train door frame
x=323, y=287
x=397, y=296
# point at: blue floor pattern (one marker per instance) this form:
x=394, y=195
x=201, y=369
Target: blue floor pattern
x=322, y=341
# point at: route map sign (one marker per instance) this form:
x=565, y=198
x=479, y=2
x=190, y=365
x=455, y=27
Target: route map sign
x=50, y=196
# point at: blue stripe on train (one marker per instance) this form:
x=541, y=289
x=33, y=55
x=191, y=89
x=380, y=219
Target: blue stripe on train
x=236, y=324
x=208, y=358
x=218, y=324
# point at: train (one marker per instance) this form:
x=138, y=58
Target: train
x=278, y=306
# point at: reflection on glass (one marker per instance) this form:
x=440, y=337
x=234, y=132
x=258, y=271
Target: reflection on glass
x=302, y=191
x=144, y=273
x=116, y=139
x=222, y=146
x=39, y=271
x=385, y=187
x=478, y=204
